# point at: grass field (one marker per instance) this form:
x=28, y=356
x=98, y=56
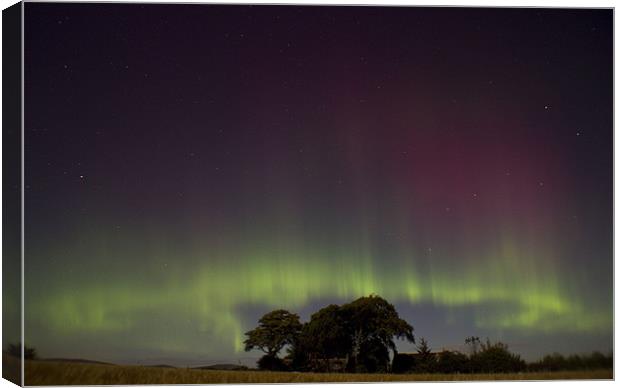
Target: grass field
x=71, y=373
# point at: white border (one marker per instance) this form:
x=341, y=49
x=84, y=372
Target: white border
x=459, y=3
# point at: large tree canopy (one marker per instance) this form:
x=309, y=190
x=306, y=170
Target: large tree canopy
x=373, y=325
x=361, y=333
x=324, y=337
x=328, y=332
x=275, y=330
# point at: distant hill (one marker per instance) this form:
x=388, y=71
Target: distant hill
x=233, y=367
x=79, y=360
x=223, y=367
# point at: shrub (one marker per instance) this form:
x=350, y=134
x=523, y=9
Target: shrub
x=495, y=358
x=273, y=363
x=403, y=363
x=452, y=362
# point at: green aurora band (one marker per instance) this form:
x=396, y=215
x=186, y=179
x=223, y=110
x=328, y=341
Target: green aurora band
x=525, y=293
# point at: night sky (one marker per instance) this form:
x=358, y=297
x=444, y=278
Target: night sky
x=192, y=167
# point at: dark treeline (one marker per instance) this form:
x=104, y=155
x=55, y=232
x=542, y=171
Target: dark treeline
x=484, y=357
x=487, y=357
x=15, y=350
x=359, y=337
x=555, y=362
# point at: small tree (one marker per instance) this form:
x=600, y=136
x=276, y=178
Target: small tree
x=15, y=350
x=426, y=359
x=473, y=343
x=275, y=330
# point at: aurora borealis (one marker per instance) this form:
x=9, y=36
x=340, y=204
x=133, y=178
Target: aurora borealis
x=191, y=167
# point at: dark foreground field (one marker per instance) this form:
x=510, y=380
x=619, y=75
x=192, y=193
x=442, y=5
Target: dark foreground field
x=73, y=373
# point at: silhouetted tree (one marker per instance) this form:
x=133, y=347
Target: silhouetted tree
x=550, y=362
x=300, y=351
x=376, y=357
x=275, y=330
x=426, y=360
x=597, y=360
x=360, y=334
x=372, y=324
x=323, y=338
x=473, y=343
x=15, y=350
x=451, y=362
